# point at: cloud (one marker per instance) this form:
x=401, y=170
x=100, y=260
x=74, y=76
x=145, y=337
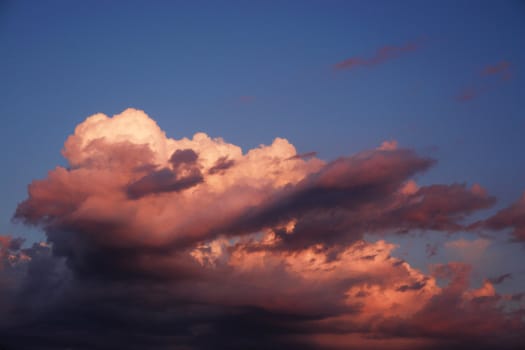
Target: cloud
x=469, y=250
x=467, y=95
x=221, y=165
x=184, y=173
x=177, y=193
x=501, y=69
x=431, y=249
x=388, y=146
x=304, y=155
x=500, y=279
x=230, y=301
x=381, y=55
x=10, y=252
x=512, y=217
x=194, y=243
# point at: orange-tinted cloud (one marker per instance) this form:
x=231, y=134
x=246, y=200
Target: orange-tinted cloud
x=226, y=286
x=171, y=194
x=193, y=243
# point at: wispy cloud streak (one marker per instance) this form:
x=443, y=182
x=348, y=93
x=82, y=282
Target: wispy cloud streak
x=381, y=55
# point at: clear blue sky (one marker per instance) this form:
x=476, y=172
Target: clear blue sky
x=249, y=71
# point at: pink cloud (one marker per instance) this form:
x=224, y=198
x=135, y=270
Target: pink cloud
x=381, y=55
x=501, y=69
x=511, y=217
x=196, y=242
x=184, y=191
x=388, y=145
x=467, y=95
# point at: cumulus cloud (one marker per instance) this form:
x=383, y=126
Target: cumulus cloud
x=161, y=243
x=242, y=296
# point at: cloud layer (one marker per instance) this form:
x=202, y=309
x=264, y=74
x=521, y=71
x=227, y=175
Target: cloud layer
x=194, y=244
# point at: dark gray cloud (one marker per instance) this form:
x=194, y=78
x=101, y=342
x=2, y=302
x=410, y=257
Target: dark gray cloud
x=169, y=180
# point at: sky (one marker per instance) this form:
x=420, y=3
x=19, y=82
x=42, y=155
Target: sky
x=262, y=174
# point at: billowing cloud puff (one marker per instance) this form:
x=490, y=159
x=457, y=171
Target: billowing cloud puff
x=176, y=192
x=194, y=244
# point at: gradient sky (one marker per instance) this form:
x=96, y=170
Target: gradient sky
x=443, y=78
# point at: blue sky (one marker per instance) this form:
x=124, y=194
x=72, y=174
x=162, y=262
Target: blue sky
x=249, y=71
